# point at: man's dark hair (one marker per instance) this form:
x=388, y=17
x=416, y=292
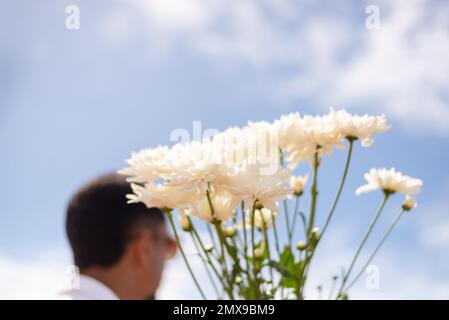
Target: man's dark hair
x=100, y=222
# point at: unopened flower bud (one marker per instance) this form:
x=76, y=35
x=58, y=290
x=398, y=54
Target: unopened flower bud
x=238, y=279
x=259, y=251
x=186, y=225
x=230, y=232
x=209, y=248
x=301, y=245
x=297, y=183
x=258, y=205
x=315, y=234
x=409, y=203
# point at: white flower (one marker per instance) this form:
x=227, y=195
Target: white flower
x=297, y=183
x=146, y=165
x=161, y=196
x=263, y=143
x=303, y=137
x=359, y=127
x=192, y=166
x=247, y=184
x=409, y=203
x=286, y=128
x=224, y=205
x=390, y=181
x=256, y=143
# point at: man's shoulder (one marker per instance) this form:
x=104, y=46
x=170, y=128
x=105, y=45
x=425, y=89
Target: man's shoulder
x=88, y=288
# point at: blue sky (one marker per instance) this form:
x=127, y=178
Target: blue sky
x=75, y=103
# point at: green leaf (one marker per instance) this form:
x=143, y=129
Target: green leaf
x=287, y=257
x=282, y=269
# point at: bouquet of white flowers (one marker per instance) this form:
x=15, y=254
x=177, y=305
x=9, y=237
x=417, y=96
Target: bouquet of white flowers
x=234, y=181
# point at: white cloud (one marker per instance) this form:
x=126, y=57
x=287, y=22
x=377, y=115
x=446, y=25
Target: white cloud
x=41, y=276
x=333, y=59
x=403, y=66
x=433, y=226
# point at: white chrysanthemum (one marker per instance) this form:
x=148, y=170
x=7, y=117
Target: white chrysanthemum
x=297, y=183
x=390, y=180
x=286, y=128
x=232, y=143
x=302, y=137
x=146, y=165
x=224, y=205
x=161, y=196
x=409, y=203
x=263, y=141
x=322, y=133
x=192, y=166
x=248, y=184
x=256, y=143
x=359, y=127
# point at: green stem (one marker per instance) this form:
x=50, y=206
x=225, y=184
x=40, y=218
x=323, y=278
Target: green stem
x=209, y=229
x=217, y=274
x=340, y=188
x=267, y=245
x=295, y=212
x=223, y=256
x=362, y=244
x=172, y=224
x=287, y=218
x=309, y=250
x=205, y=263
x=314, y=194
x=245, y=238
x=245, y=245
x=223, y=244
x=336, y=199
x=253, y=244
x=284, y=202
x=276, y=239
x=385, y=236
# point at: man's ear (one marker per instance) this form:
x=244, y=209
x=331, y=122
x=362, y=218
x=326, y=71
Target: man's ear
x=141, y=247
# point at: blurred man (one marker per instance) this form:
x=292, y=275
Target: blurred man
x=119, y=248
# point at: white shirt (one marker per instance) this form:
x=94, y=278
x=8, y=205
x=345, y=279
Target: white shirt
x=89, y=289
